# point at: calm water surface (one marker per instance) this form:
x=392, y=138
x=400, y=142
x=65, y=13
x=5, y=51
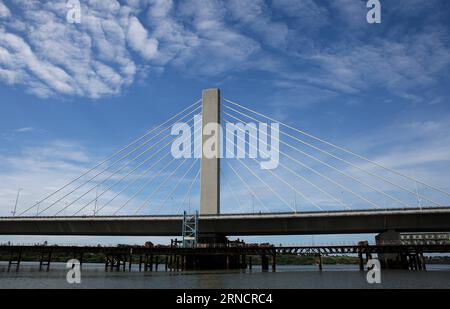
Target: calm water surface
x=307, y=276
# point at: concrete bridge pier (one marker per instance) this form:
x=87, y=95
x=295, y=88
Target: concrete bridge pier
x=210, y=162
x=401, y=260
x=389, y=260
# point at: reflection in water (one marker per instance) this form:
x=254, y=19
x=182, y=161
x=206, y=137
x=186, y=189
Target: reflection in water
x=302, y=276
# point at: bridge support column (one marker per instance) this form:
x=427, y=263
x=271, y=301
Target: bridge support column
x=148, y=262
x=361, y=261
x=264, y=263
x=419, y=261
x=130, y=261
x=81, y=259
x=389, y=260
x=210, y=162
x=41, y=262
x=422, y=261
x=319, y=258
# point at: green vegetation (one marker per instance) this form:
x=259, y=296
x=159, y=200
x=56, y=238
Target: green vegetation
x=56, y=257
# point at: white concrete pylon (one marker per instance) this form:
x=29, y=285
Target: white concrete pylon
x=210, y=161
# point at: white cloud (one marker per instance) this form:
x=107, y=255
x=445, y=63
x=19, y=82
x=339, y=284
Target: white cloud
x=52, y=56
x=95, y=58
x=118, y=42
x=404, y=68
x=4, y=11
x=253, y=15
x=24, y=130
x=138, y=39
x=23, y=59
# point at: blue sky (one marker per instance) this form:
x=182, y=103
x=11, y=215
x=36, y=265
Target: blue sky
x=72, y=93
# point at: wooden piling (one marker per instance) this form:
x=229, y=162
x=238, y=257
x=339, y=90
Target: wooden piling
x=106, y=262
x=49, y=260
x=81, y=259
x=424, y=266
x=361, y=261
x=264, y=263
x=41, y=262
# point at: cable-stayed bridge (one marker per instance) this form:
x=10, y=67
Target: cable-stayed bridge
x=315, y=187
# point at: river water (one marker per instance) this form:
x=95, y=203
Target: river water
x=304, y=276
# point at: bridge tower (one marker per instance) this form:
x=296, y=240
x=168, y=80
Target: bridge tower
x=210, y=161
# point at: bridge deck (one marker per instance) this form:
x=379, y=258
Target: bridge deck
x=333, y=222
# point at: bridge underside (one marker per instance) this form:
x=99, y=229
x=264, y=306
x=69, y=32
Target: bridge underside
x=344, y=222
